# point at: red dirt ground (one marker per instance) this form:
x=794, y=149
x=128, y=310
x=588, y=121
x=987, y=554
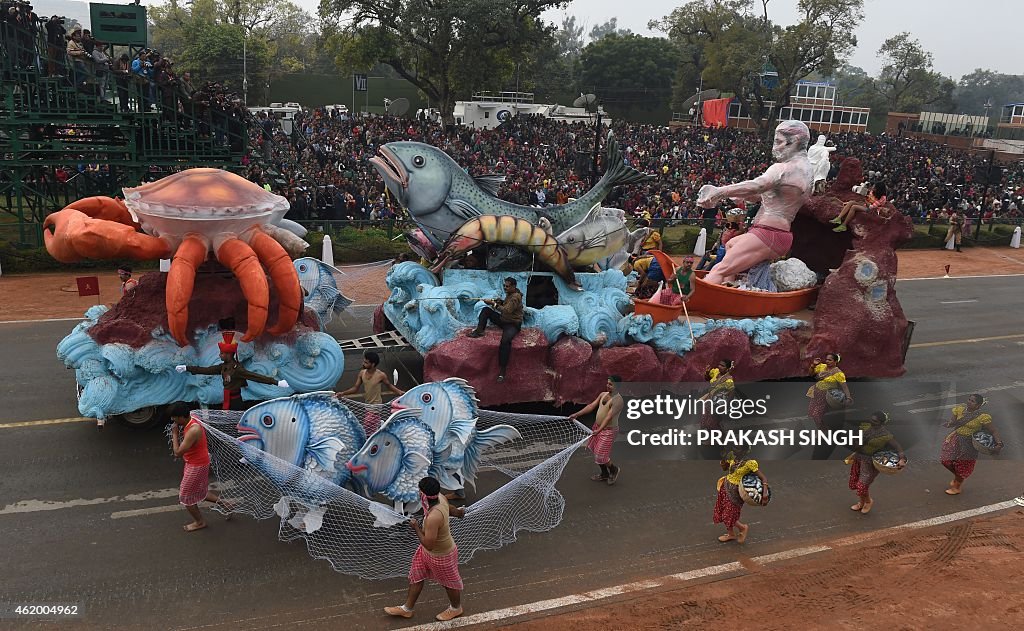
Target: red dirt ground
x=968, y=575
x=54, y=295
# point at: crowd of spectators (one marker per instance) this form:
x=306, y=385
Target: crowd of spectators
x=322, y=167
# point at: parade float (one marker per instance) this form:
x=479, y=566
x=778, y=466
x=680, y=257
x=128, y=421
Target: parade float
x=580, y=322
x=124, y=356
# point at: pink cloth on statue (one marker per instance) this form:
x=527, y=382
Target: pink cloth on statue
x=778, y=241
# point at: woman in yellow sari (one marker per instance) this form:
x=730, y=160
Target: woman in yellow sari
x=729, y=504
x=958, y=453
x=722, y=387
x=831, y=385
x=862, y=469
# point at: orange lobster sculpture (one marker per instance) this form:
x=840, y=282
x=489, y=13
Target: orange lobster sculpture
x=190, y=214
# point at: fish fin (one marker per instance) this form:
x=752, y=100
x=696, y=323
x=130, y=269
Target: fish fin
x=483, y=441
x=412, y=456
x=461, y=429
x=447, y=480
x=463, y=210
x=342, y=303
x=324, y=451
x=615, y=261
x=489, y=182
x=619, y=173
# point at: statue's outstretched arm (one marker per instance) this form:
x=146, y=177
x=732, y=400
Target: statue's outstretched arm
x=710, y=195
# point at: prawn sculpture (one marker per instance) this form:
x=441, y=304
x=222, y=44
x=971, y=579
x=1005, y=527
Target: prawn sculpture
x=188, y=215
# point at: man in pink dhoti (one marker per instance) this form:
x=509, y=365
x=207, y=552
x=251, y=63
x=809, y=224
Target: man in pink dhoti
x=609, y=406
x=782, y=190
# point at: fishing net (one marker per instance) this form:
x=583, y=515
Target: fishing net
x=364, y=283
x=515, y=491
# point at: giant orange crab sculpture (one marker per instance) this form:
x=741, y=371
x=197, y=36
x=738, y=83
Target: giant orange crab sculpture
x=189, y=214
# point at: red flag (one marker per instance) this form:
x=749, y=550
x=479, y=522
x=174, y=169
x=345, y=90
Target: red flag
x=88, y=286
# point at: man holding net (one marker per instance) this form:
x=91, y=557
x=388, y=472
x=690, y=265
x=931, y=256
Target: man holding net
x=437, y=556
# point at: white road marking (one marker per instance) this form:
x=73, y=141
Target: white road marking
x=147, y=511
x=715, y=570
x=956, y=302
x=52, y=421
x=78, y=319
x=34, y=506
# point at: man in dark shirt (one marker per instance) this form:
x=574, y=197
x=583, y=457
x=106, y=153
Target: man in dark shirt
x=232, y=373
x=507, y=313
x=55, y=46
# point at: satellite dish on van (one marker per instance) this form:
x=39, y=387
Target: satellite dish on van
x=398, y=107
x=585, y=100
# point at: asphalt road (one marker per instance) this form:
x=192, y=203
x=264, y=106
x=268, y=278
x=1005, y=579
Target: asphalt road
x=90, y=518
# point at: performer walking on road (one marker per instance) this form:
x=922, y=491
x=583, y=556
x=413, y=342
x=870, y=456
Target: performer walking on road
x=862, y=469
x=608, y=405
x=958, y=453
x=437, y=557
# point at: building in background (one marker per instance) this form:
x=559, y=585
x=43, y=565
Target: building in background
x=814, y=103
x=487, y=110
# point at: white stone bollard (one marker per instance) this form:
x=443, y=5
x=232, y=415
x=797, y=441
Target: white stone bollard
x=1015, y=239
x=702, y=243
x=328, y=255
x=165, y=265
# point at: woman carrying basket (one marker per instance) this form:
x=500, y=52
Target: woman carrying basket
x=729, y=504
x=862, y=469
x=722, y=387
x=831, y=390
x=959, y=454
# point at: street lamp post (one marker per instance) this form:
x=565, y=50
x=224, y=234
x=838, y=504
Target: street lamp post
x=245, y=75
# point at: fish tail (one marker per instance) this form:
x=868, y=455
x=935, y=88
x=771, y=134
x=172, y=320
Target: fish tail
x=617, y=172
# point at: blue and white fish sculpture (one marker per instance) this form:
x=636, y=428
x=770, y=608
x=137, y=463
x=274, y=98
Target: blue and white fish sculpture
x=319, y=282
x=395, y=459
x=313, y=431
x=449, y=407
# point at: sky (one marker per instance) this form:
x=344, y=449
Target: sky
x=961, y=34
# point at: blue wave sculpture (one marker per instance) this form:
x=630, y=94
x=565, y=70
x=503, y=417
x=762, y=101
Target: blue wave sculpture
x=116, y=378
x=428, y=313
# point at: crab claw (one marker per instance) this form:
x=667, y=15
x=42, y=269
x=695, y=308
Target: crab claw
x=239, y=257
x=180, y=282
x=109, y=208
x=76, y=236
x=286, y=280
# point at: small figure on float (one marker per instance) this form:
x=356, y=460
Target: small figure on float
x=877, y=438
x=231, y=370
x=679, y=288
x=506, y=313
x=818, y=155
x=876, y=202
x=128, y=284
x=959, y=451
x=782, y=189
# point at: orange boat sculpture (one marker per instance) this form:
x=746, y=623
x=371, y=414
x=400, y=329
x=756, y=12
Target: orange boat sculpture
x=710, y=299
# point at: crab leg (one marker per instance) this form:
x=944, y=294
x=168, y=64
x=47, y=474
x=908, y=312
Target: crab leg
x=239, y=257
x=286, y=280
x=180, y=281
x=77, y=236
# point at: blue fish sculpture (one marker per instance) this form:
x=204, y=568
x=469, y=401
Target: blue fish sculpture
x=395, y=459
x=403, y=451
x=313, y=431
x=448, y=407
x=319, y=282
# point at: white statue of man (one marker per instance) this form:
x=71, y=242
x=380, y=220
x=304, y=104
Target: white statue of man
x=782, y=189
x=818, y=155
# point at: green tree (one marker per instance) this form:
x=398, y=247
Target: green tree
x=611, y=27
x=630, y=71
x=446, y=49
x=986, y=86
x=745, y=53
x=907, y=81
x=208, y=38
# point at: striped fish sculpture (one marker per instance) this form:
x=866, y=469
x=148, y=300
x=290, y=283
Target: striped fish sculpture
x=509, y=230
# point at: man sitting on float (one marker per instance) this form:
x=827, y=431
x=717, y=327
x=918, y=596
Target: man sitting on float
x=782, y=189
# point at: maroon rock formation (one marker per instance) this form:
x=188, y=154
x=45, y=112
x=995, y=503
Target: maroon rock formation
x=216, y=295
x=857, y=314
